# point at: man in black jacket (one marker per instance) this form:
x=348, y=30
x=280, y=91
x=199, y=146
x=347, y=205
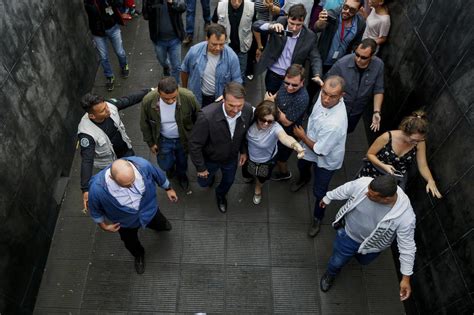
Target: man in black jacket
x=290, y=42
x=166, y=32
x=104, y=19
x=217, y=138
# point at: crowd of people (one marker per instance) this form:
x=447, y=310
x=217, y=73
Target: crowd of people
x=321, y=72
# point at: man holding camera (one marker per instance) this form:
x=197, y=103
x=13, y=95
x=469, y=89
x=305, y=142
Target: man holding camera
x=341, y=30
x=290, y=42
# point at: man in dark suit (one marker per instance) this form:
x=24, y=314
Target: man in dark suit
x=290, y=42
x=217, y=138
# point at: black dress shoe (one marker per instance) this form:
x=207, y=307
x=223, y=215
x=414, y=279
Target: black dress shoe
x=326, y=282
x=222, y=204
x=297, y=185
x=140, y=264
x=314, y=228
x=183, y=182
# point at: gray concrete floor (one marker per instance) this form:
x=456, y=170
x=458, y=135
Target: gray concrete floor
x=254, y=259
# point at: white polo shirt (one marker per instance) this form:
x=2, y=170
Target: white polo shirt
x=328, y=128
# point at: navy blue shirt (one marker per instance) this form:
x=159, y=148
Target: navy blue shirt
x=293, y=105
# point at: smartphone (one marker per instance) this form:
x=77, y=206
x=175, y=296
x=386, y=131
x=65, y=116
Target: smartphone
x=288, y=33
x=397, y=173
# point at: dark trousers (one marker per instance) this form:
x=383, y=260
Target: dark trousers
x=228, y=175
x=284, y=153
x=322, y=177
x=207, y=99
x=129, y=152
x=273, y=81
x=129, y=236
x=352, y=121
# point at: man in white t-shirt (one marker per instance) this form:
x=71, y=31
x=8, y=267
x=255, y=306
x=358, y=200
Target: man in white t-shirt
x=209, y=66
x=324, y=143
x=167, y=117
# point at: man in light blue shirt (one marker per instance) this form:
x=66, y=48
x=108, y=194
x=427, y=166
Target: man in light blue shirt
x=324, y=143
x=209, y=66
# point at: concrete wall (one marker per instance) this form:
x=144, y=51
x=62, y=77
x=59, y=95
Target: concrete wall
x=429, y=63
x=47, y=62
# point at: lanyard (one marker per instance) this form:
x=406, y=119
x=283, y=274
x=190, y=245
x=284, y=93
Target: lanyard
x=342, y=31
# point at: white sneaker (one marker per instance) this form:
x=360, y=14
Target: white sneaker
x=257, y=199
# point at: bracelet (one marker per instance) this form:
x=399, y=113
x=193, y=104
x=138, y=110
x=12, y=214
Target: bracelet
x=169, y=188
x=377, y=112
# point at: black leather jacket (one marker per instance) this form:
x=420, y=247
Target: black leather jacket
x=96, y=13
x=152, y=11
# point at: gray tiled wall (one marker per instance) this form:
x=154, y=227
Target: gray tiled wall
x=46, y=62
x=429, y=62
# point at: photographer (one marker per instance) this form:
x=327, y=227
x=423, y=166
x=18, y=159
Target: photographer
x=285, y=35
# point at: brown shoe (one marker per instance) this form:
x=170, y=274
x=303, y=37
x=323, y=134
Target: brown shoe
x=188, y=39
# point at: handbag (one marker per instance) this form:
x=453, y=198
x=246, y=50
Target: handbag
x=259, y=169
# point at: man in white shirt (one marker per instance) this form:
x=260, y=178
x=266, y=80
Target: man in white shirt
x=324, y=144
x=167, y=117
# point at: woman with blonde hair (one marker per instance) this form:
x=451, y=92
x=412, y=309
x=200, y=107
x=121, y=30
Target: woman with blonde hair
x=262, y=137
x=394, y=151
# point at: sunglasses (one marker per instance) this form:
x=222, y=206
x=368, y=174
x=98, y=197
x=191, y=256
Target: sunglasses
x=362, y=57
x=292, y=84
x=268, y=121
x=351, y=10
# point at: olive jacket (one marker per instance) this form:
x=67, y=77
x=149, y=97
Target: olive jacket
x=185, y=115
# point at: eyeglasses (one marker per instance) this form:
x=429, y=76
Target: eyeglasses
x=292, y=84
x=351, y=10
x=362, y=57
x=268, y=121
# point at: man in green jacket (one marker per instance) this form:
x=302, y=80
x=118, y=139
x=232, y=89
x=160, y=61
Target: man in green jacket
x=167, y=117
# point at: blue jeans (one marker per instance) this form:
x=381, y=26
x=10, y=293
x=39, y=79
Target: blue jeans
x=115, y=37
x=321, y=179
x=344, y=249
x=171, y=151
x=191, y=13
x=228, y=175
x=170, y=50
x=242, y=63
